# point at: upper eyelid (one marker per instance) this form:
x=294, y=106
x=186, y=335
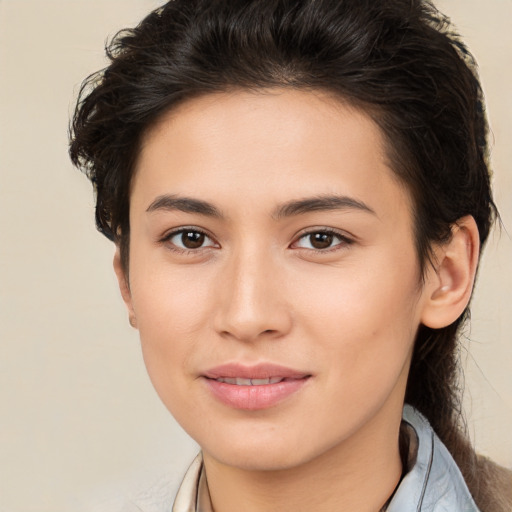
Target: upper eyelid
x=331, y=231
x=176, y=231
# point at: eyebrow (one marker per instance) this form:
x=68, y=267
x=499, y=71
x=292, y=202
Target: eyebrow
x=320, y=203
x=184, y=204
x=295, y=207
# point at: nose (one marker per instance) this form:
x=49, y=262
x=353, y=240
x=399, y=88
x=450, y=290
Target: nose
x=252, y=302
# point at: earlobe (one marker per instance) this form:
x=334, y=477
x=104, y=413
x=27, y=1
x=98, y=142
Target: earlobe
x=450, y=283
x=124, y=287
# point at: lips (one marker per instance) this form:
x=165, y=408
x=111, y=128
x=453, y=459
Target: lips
x=254, y=387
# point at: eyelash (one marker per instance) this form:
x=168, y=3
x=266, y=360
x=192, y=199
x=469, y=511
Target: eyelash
x=343, y=240
x=166, y=239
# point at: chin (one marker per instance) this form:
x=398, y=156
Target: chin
x=263, y=452
x=259, y=458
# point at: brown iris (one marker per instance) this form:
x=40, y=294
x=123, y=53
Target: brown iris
x=321, y=240
x=192, y=239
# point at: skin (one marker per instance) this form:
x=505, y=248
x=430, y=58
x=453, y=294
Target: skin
x=258, y=290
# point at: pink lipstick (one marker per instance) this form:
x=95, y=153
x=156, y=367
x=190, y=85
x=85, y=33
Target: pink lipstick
x=254, y=387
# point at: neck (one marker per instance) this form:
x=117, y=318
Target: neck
x=359, y=474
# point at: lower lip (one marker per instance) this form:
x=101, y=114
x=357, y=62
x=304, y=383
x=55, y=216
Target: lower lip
x=253, y=398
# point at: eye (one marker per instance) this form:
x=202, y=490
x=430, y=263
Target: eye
x=321, y=240
x=189, y=239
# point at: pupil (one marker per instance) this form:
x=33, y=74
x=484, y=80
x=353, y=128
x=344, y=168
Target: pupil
x=192, y=239
x=321, y=240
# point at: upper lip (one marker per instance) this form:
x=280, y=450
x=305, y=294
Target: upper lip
x=258, y=371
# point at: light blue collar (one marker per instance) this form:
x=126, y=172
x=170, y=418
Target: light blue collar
x=434, y=483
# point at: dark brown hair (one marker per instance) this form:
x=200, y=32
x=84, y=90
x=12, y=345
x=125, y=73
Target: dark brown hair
x=398, y=60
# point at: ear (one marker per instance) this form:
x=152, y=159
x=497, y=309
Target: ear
x=450, y=282
x=124, y=287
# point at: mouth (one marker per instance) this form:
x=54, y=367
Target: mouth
x=254, y=387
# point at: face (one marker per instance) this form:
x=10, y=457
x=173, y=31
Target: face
x=273, y=275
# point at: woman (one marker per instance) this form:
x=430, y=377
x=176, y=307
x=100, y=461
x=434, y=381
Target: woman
x=298, y=191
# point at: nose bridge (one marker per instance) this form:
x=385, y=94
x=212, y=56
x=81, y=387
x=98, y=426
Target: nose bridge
x=251, y=302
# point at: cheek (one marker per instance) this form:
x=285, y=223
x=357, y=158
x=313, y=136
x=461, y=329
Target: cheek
x=360, y=302
x=168, y=299
x=172, y=311
x=364, y=318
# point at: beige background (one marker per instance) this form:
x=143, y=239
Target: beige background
x=78, y=417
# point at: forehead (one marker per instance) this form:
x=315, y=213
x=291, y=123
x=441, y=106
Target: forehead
x=271, y=146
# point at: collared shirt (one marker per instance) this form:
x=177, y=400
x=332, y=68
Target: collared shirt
x=434, y=483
